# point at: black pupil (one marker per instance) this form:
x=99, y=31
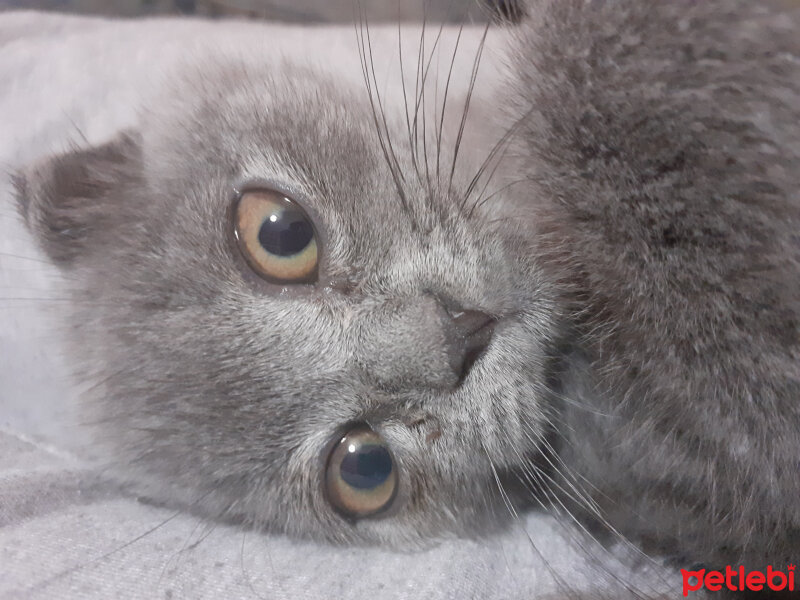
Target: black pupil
x=285, y=233
x=366, y=468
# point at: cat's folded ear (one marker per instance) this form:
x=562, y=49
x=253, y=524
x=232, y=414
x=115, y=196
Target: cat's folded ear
x=67, y=199
x=508, y=11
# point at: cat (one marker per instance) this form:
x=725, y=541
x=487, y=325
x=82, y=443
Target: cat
x=297, y=308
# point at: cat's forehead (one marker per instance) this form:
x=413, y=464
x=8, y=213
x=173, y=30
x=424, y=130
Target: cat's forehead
x=231, y=127
x=322, y=141
x=289, y=126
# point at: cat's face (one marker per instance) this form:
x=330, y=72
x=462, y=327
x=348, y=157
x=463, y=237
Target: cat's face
x=417, y=327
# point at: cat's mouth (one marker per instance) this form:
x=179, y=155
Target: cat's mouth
x=477, y=342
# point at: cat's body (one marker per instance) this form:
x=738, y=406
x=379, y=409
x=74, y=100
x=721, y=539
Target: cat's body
x=663, y=169
x=636, y=254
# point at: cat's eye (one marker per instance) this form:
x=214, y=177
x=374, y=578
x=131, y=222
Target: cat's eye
x=276, y=237
x=360, y=477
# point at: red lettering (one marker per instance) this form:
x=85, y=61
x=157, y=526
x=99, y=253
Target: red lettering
x=714, y=581
x=755, y=581
x=729, y=575
x=771, y=575
x=692, y=587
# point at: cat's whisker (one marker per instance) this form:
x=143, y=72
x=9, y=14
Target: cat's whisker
x=577, y=497
x=210, y=527
x=47, y=299
x=515, y=515
x=187, y=546
x=528, y=477
x=548, y=453
x=29, y=258
x=502, y=145
x=420, y=101
x=541, y=481
x=470, y=90
x=381, y=125
x=575, y=492
x=403, y=77
x=499, y=191
x=244, y=571
x=435, y=115
x=538, y=440
x=43, y=584
x=444, y=100
x=445, y=96
x=98, y=383
x=580, y=405
x=489, y=179
x=417, y=78
x=77, y=129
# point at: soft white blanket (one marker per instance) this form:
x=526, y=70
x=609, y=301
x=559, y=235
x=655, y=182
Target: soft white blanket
x=64, y=531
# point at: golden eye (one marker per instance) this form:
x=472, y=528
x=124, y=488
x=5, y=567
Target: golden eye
x=276, y=237
x=360, y=478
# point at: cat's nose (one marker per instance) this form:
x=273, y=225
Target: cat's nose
x=425, y=342
x=468, y=334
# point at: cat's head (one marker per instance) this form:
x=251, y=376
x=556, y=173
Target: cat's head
x=277, y=325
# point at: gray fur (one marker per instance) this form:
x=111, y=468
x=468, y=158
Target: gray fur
x=224, y=391
x=644, y=275
x=662, y=164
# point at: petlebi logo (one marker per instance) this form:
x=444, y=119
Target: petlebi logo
x=737, y=580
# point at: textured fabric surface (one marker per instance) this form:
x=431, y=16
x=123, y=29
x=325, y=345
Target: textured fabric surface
x=66, y=532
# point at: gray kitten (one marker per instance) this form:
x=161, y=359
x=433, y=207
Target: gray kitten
x=295, y=316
